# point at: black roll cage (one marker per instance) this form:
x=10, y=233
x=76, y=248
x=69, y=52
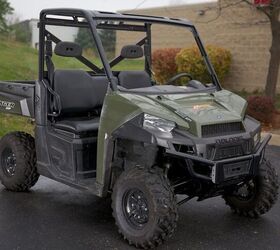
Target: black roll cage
x=91, y=19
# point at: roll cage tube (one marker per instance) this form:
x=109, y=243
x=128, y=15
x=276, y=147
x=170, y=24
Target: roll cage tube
x=93, y=27
x=92, y=18
x=208, y=63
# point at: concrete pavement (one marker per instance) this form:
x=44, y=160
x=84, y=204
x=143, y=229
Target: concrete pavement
x=275, y=140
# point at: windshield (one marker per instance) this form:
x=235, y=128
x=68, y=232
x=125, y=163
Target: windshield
x=155, y=57
x=137, y=54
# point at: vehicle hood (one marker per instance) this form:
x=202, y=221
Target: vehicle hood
x=191, y=111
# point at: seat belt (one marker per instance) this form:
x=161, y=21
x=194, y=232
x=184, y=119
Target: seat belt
x=50, y=67
x=49, y=62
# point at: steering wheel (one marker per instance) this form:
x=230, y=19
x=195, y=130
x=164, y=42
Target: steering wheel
x=178, y=76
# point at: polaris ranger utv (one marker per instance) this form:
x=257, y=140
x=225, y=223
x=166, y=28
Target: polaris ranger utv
x=120, y=134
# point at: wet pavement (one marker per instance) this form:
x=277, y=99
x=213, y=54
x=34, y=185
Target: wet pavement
x=54, y=216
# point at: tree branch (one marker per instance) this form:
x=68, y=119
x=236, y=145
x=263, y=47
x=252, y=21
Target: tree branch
x=261, y=9
x=273, y=7
x=219, y=8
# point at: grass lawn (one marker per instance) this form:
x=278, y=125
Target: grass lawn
x=9, y=123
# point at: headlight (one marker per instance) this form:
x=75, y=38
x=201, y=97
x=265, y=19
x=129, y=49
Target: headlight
x=159, y=124
x=257, y=138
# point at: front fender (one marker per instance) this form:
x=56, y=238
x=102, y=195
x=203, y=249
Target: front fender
x=127, y=126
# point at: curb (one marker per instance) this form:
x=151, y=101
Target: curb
x=275, y=140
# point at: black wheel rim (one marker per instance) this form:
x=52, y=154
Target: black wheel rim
x=247, y=191
x=8, y=162
x=135, y=208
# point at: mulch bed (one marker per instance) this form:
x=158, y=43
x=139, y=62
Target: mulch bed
x=274, y=124
x=276, y=120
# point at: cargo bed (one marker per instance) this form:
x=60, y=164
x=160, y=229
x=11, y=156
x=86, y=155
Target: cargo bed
x=17, y=97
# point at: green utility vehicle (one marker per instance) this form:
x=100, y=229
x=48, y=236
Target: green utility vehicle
x=118, y=133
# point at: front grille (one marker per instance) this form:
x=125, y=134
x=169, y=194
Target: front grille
x=228, y=152
x=222, y=129
x=219, y=153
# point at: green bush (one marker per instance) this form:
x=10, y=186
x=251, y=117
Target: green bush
x=164, y=64
x=190, y=60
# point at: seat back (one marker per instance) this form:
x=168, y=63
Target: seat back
x=79, y=92
x=134, y=79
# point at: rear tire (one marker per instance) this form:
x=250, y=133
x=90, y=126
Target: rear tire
x=18, y=170
x=144, y=207
x=259, y=195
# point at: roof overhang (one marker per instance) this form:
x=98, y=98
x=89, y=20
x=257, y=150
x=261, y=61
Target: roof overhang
x=102, y=15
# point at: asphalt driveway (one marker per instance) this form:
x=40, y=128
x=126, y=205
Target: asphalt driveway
x=54, y=216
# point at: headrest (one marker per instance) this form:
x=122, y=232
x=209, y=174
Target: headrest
x=68, y=49
x=132, y=51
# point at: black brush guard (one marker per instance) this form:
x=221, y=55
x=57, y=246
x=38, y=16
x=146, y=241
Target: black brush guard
x=227, y=169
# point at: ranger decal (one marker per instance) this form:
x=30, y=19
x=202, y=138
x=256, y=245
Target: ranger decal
x=7, y=105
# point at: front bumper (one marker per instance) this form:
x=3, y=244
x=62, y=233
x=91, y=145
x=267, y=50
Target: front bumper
x=227, y=169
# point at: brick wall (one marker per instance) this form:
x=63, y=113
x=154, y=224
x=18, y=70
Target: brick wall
x=241, y=29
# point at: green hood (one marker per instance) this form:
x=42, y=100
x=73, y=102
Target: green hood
x=191, y=111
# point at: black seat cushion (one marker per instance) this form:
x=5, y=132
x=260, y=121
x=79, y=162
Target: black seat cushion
x=79, y=92
x=78, y=125
x=134, y=79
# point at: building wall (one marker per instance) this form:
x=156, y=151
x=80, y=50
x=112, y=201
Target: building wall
x=241, y=29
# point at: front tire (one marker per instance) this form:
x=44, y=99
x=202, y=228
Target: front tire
x=257, y=196
x=18, y=170
x=144, y=207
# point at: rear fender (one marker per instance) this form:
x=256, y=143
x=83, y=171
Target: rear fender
x=17, y=98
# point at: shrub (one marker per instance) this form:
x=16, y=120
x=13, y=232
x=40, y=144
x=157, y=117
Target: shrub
x=261, y=108
x=190, y=60
x=164, y=64
x=22, y=34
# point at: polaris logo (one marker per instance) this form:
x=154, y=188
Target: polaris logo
x=7, y=105
x=229, y=140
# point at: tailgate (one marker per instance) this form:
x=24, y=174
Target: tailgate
x=17, y=98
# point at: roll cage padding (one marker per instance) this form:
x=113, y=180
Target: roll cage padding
x=68, y=49
x=132, y=51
